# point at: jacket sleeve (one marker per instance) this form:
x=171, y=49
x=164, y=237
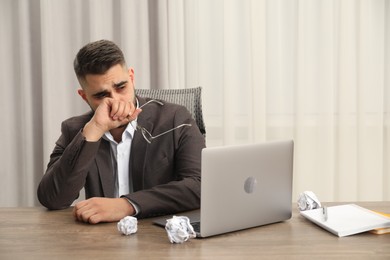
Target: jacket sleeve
x=67, y=169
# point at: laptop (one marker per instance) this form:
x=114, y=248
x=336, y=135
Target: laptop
x=243, y=186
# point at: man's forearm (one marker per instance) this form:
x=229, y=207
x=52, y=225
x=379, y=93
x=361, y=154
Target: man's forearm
x=66, y=173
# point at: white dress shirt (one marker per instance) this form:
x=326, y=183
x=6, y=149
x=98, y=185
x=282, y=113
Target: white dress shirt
x=120, y=156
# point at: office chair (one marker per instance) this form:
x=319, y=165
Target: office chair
x=191, y=98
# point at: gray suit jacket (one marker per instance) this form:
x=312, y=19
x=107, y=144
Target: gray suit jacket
x=165, y=174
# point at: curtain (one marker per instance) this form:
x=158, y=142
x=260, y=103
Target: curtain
x=315, y=71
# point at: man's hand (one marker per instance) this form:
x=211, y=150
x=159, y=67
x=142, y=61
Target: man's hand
x=110, y=114
x=95, y=210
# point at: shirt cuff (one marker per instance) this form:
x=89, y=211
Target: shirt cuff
x=135, y=206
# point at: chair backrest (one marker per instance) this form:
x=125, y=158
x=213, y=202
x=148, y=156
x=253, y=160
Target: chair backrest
x=191, y=98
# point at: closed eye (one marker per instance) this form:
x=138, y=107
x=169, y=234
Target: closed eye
x=100, y=95
x=120, y=85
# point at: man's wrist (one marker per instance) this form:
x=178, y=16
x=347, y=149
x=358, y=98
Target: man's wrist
x=91, y=132
x=134, y=206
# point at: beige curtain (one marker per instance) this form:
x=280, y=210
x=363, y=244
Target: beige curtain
x=313, y=71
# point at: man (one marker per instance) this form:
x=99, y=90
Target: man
x=107, y=150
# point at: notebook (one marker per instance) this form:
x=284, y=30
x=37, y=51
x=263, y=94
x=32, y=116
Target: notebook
x=346, y=220
x=244, y=186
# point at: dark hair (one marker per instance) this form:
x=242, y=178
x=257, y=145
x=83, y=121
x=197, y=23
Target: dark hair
x=96, y=58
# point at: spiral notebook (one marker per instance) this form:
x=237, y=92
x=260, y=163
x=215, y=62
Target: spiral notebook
x=346, y=220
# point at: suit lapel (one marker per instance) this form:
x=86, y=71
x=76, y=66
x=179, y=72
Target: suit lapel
x=105, y=168
x=139, y=148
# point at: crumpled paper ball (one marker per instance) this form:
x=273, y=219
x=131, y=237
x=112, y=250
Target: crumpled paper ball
x=308, y=200
x=127, y=225
x=179, y=229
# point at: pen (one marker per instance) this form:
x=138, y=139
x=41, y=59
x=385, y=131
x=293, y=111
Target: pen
x=325, y=213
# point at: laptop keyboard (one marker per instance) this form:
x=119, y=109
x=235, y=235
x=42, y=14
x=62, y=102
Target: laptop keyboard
x=196, y=226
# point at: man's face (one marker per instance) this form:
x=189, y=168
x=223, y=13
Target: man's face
x=116, y=83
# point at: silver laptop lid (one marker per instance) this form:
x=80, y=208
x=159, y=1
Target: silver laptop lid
x=245, y=186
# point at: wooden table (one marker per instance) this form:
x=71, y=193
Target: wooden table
x=36, y=233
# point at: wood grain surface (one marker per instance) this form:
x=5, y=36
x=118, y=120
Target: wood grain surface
x=36, y=233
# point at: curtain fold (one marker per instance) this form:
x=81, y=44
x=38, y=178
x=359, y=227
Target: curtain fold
x=313, y=71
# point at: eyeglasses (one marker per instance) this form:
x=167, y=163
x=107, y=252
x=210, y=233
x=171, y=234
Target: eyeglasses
x=145, y=133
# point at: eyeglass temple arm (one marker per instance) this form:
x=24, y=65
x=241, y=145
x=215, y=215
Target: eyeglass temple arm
x=152, y=100
x=170, y=130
